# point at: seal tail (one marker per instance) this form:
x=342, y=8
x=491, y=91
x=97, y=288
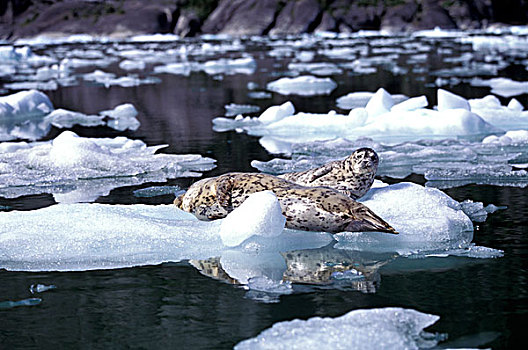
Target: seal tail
x=370, y=222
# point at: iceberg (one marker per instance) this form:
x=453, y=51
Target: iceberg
x=384, y=328
x=88, y=167
x=306, y=85
x=122, y=117
x=361, y=98
x=510, y=117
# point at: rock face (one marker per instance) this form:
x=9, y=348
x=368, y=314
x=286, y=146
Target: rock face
x=23, y=18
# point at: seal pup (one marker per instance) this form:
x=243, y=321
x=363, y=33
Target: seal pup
x=352, y=176
x=305, y=208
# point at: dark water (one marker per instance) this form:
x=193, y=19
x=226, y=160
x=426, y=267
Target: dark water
x=481, y=302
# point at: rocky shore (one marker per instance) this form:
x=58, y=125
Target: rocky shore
x=26, y=18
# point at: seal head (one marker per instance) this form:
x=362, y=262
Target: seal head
x=352, y=176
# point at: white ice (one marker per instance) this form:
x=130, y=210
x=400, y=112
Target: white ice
x=260, y=212
x=427, y=219
x=503, y=86
x=510, y=117
x=234, y=109
x=76, y=169
x=385, y=328
x=306, y=85
x=72, y=237
x=122, y=117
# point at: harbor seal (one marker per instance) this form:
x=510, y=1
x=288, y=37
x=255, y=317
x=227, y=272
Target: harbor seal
x=352, y=176
x=305, y=208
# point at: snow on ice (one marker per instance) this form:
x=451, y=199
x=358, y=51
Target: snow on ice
x=77, y=169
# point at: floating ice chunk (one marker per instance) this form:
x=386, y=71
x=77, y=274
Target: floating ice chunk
x=40, y=288
x=259, y=95
x=25, y=104
x=180, y=68
x=98, y=76
x=511, y=137
x=260, y=214
x=122, y=117
x=361, y=98
x=246, y=65
x=233, y=109
x=147, y=38
x=57, y=166
x=426, y=218
x=381, y=102
x=447, y=100
x=132, y=65
x=276, y=113
x=321, y=69
x=503, y=86
x=62, y=118
x=386, y=328
x=515, y=105
x=411, y=104
x=156, y=191
x=476, y=210
x=25, y=302
x=491, y=110
x=306, y=85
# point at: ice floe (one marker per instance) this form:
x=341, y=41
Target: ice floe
x=385, y=328
x=378, y=120
x=306, y=85
x=77, y=169
x=249, y=241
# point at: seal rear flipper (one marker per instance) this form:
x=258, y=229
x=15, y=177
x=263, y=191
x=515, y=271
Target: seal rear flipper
x=369, y=222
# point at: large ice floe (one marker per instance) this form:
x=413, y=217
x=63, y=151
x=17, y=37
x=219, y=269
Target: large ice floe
x=250, y=244
x=30, y=115
x=380, y=119
x=306, y=85
x=78, y=169
x=384, y=328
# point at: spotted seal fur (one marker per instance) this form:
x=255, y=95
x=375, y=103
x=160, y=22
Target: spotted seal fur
x=305, y=208
x=352, y=176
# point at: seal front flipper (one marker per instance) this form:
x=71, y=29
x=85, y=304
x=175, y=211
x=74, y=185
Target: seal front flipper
x=322, y=171
x=223, y=193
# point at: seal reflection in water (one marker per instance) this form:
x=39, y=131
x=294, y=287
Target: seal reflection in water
x=352, y=176
x=305, y=208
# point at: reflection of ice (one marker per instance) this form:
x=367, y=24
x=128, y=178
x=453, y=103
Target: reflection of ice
x=386, y=328
x=59, y=164
x=25, y=302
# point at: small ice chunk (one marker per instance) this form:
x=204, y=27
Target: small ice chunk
x=40, y=288
x=178, y=68
x=448, y=100
x=381, y=102
x=265, y=284
x=132, y=65
x=276, y=113
x=260, y=214
x=233, y=109
x=384, y=328
x=25, y=104
x=411, y=104
x=354, y=99
x=62, y=118
x=25, y=302
x=515, y=105
x=122, y=117
x=306, y=85
x=511, y=137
